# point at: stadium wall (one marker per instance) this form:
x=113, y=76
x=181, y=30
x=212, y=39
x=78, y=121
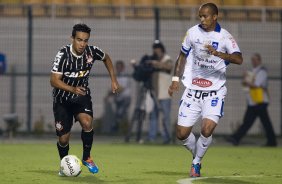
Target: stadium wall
x=125, y=40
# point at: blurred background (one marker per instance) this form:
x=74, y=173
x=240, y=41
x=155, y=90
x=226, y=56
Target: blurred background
x=32, y=31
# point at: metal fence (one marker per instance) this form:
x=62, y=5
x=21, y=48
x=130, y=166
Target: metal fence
x=31, y=36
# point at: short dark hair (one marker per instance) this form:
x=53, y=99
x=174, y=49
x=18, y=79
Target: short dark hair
x=212, y=6
x=80, y=28
x=158, y=44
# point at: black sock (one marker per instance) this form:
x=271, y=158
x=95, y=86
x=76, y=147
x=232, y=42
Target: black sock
x=63, y=151
x=87, y=140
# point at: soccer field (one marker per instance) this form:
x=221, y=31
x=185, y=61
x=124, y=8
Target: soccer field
x=33, y=163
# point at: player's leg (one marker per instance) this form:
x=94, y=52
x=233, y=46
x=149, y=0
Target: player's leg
x=87, y=140
x=84, y=114
x=212, y=111
x=63, y=124
x=189, y=113
x=63, y=145
x=205, y=139
x=87, y=133
x=188, y=139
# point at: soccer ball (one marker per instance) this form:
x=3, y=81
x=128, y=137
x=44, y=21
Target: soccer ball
x=71, y=165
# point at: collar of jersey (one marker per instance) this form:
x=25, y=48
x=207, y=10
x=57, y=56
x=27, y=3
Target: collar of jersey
x=217, y=27
x=74, y=53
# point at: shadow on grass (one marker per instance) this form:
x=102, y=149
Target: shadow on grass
x=221, y=181
x=166, y=173
x=83, y=178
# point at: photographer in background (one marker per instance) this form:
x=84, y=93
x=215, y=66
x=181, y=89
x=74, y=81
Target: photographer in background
x=161, y=79
x=153, y=76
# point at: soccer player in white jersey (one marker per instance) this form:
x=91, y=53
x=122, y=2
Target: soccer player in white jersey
x=206, y=51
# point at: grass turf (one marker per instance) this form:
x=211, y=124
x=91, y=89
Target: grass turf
x=130, y=163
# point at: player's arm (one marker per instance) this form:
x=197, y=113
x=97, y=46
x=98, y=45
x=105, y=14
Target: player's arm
x=178, y=71
x=235, y=58
x=109, y=65
x=56, y=82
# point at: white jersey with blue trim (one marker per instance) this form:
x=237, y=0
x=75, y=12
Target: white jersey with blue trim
x=204, y=71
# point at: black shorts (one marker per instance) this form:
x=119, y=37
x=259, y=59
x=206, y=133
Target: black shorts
x=65, y=112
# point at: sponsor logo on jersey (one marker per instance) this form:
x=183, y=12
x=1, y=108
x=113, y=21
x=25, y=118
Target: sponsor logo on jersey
x=204, y=83
x=234, y=44
x=57, y=61
x=78, y=74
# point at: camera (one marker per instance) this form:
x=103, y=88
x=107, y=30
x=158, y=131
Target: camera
x=144, y=70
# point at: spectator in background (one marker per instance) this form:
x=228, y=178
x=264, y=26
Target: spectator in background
x=123, y=99
x=161, y=80
x=255, y=83
x=2, y=63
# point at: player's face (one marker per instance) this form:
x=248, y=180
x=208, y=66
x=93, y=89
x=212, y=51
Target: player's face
x=79, y=42
x=207, y=18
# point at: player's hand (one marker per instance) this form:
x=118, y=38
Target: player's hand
x=174, y=87
x=211, y=50
x=79, y=90
x=115, y=87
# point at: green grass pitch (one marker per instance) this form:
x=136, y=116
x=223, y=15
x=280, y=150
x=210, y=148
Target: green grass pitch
x=33, y=163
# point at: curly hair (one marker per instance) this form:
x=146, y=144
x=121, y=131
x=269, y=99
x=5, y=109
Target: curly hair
x=80, y=28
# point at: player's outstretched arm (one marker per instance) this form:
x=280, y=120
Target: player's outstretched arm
x=178, y=71
x=56, y=82
x=109, y=65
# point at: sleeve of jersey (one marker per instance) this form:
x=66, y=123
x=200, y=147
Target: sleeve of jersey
x=58, y=63
x=231, y=44
x=98, y=53
x=186, y=44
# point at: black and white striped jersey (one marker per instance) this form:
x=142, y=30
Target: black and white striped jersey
x=74, y=69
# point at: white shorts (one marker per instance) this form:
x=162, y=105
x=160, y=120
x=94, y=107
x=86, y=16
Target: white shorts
x=206, y=104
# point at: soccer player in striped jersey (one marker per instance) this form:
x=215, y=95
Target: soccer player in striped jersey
x=71, y=95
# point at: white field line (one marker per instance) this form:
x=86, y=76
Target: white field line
x=190, y=180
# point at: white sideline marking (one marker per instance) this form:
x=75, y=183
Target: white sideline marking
x=189, y=180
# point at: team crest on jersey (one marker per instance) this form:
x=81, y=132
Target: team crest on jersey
x=215, y=45
x=58, y=125
x=89, y=59
x=204, y=83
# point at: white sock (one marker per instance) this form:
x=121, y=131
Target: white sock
x=201, y=148
x=190, y=143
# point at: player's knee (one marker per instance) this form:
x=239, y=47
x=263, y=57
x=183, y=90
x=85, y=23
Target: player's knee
x=63, y=141
x=182, y=135
x=206, y=132
x=87, y=126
